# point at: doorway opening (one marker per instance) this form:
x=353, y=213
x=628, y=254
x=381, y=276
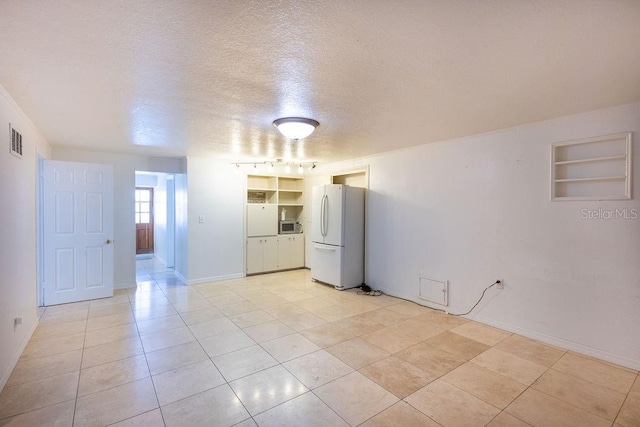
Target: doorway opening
x=144, y=220
x=154, y=207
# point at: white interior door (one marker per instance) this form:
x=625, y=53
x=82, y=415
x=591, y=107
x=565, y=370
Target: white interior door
x=77, y=231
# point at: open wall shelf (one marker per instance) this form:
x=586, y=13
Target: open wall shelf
x=592, y=169
x=284, y=191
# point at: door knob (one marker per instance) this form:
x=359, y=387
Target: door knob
x=109, y=241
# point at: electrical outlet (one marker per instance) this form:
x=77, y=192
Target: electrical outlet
x=500, y=284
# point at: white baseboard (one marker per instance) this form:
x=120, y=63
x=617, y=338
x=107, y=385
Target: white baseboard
x=563, y=343
x=180, y=276
x=214, y=279
x=548, y=339
x=125, y=285
x=16, y=356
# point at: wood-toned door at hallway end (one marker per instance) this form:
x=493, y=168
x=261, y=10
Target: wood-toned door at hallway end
x=144, y=220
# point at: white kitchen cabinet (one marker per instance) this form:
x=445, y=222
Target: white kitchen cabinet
x=290, y=251
x=270, y=254
x=262, y=220
x=254, y=255
x=262, y=254
x=269, y=197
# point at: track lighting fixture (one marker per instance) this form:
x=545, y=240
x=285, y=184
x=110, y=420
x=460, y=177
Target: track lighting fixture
x=270, y=165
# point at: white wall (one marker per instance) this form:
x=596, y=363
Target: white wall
x=216, y=249
x=181, y=265
x=171, y=222
x=124, y=168
x=160, y=218
x=18, y=237
x=146, y=180
x=477, y=209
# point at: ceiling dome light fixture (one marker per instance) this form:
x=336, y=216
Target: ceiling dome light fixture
x=296, y=127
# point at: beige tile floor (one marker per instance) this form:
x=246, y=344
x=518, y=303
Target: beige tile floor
x=278, y=349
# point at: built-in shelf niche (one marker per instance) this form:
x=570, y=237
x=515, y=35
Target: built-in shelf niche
x=290, y=191
x=287, y=192
x=592, y=169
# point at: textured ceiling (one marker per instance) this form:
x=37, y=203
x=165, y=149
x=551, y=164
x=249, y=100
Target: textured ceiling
x=207, y=78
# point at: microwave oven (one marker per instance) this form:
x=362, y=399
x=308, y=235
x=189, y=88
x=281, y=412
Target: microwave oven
x=290, y=227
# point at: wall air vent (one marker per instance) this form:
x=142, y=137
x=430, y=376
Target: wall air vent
x=16, y=142
x=434, y=290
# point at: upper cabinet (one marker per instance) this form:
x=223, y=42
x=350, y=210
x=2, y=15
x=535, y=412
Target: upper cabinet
x=290, y=191
x=262, y=189
x=286, y=192
x=290, y=198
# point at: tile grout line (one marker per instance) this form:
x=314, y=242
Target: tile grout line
x=218, y=369
x=75, y=403
x=153, y=384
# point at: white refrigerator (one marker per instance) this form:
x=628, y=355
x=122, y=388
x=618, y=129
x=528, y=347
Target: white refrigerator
x=337, y=235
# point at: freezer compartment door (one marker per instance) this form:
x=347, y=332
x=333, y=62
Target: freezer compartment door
x=326, y=264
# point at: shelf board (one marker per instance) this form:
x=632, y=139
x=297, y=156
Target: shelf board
x=594, y=159
x=260, y=189
x=289, y=191
x=290, y=204
x=597, y=178
x=599, y=198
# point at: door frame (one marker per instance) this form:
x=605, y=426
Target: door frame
x=170, y=238
x=171, y=222
x=151, y=223
x=39, y=231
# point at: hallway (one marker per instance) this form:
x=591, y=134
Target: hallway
x=150, y=269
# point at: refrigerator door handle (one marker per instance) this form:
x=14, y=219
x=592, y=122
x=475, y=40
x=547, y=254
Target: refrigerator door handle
x=325, y=248
x=325, y=215
x=322, y=216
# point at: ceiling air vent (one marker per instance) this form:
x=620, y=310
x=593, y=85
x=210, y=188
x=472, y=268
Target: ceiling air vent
x=16, y=142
